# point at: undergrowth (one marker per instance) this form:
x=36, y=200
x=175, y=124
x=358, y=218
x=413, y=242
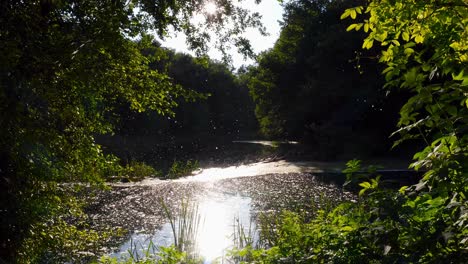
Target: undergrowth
x=181, y=168
x=138, y=170
x=416, y=224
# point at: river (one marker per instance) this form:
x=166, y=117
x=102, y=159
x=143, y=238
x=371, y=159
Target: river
x=224, y=198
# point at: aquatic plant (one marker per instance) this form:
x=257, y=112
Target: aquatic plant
x=166, y=255
x=383, y=226
x=185, y=225
x=243, y=242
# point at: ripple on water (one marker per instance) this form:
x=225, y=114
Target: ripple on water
x=220, y=202
x=218, y=212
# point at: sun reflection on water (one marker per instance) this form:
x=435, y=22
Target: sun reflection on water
x=215, y=235
x=218, y=212
x=254, y=169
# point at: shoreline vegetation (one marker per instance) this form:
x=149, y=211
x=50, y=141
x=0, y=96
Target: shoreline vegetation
x=250, y=187
x=308, y=193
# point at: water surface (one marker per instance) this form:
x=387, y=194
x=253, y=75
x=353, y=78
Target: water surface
x=224, y=194
x=219, y=214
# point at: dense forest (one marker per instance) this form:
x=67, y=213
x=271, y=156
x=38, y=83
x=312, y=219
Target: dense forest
x=315, y=85
x=223, y=109
x=222, y=112
x=79, y=79
x=305, y=87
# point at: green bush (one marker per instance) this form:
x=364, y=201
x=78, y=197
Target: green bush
x=180, y=168
x=414, y=224
x=135, y=171
x=166, y=255
x=65, y=235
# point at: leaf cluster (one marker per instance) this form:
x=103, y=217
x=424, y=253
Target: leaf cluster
x=67, y=66
x=384, y=226
x=314, y=86
x=424, y=48
x=180, y=168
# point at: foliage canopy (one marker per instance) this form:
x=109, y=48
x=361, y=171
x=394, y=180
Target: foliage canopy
x=311, y=87
x=424, y=48
x=66, y=66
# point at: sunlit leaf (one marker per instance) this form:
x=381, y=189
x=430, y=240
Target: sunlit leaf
x=351, y=27
x=405, y=36
x=419, y=39
x=365, y=184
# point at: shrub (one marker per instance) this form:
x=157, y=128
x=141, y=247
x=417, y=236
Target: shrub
x=414, y=224
x=138, y=170
x=180, y=168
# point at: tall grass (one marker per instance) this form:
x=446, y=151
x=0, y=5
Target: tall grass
x=146, y=253
x=243, y=242
x=283, y=237
x=184, y=225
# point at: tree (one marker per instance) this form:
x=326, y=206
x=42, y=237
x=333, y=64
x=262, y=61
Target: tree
x=309, y=86
x=424, y=48
x=66, y=66
x=225, y=113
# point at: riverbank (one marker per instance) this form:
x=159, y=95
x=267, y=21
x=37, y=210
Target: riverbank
x=259, y=177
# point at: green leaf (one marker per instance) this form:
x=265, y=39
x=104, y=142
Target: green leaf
x=359, y=9
x=351, y=27
x=426, y=67
x=455, y=45
x=347, y=229
x=366, y=185
x=388, y=69
x=409, y=45
x=419, y=39
x=345, y=14
x=460, y=76
x=409, y=51
x=403, y=189
x=367, y=43
x=361, y=192
x=452, y=110
x=405, y=36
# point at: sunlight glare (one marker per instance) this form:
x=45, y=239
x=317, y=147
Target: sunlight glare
x=215, y=236
x=211, y=8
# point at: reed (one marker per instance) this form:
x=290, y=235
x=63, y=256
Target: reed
x=185, y=225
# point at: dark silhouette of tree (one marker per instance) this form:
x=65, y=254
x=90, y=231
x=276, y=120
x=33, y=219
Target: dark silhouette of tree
x=311, y=85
